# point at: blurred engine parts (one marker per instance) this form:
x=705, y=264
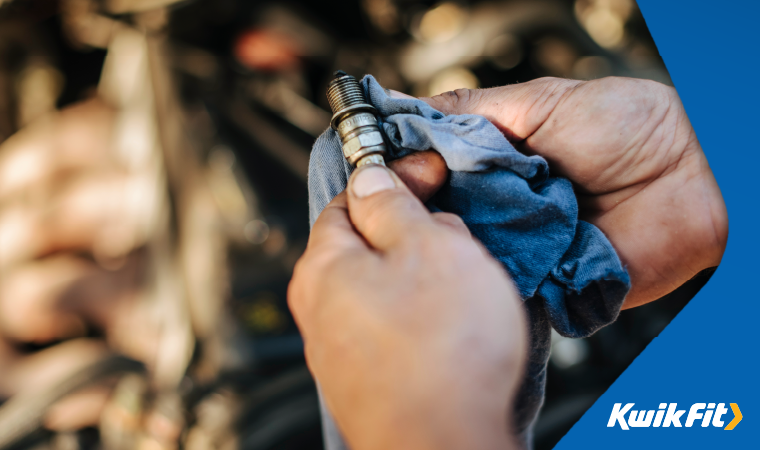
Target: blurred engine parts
x=179, y=212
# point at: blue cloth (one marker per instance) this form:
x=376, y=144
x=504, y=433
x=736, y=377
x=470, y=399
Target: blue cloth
x=566, y=270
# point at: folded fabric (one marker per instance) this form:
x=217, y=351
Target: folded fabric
x=566, y=271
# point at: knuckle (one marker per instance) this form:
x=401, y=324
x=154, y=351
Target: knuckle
x=309, y=270
x=300, y=278
x=300, y=270
x=462, y=95
x=294, y=296
x=555, y=86
x=453, y=223
x=548, y=80
x=452, y=101
x=450, y=218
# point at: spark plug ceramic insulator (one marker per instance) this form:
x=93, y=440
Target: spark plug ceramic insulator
x=355, y=120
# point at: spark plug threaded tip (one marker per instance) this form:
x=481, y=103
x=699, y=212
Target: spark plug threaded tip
x=355, y=121
x=344, y=91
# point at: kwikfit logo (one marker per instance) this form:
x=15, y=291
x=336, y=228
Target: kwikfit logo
x=665, y=416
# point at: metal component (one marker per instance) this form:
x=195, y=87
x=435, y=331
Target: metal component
x=355, y=121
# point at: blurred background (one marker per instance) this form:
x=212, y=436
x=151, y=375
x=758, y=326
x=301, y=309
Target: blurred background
x=153, y=159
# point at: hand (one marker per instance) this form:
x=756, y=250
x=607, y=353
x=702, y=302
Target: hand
x=639, y=172
x=414, y=332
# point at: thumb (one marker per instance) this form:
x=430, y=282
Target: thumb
x=517, y=110
x=383, y=209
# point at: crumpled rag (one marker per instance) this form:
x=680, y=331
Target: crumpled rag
x=566, y=271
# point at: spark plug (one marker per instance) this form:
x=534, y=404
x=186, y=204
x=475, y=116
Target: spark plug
x=355, y=120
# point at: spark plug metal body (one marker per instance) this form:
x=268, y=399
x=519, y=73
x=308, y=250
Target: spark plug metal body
x=355, y=120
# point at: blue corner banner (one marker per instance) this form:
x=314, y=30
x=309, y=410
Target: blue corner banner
x=703, y=369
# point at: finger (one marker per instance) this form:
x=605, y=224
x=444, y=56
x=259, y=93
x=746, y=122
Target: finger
x=333, y=242
x=383, y=209
x=333, y=228
x=452, y=222
x=518, y=110
x=423, y=172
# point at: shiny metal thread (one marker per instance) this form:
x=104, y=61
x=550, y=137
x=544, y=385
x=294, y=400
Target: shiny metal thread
x=344, y=92
x=355, y=121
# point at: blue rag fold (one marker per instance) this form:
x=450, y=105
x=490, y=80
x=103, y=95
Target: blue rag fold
x=565, y=269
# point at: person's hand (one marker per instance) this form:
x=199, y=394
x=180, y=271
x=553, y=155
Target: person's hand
x=414, y=332
x=638, y=169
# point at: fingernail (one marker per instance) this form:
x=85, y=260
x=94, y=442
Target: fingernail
x=372, y=180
